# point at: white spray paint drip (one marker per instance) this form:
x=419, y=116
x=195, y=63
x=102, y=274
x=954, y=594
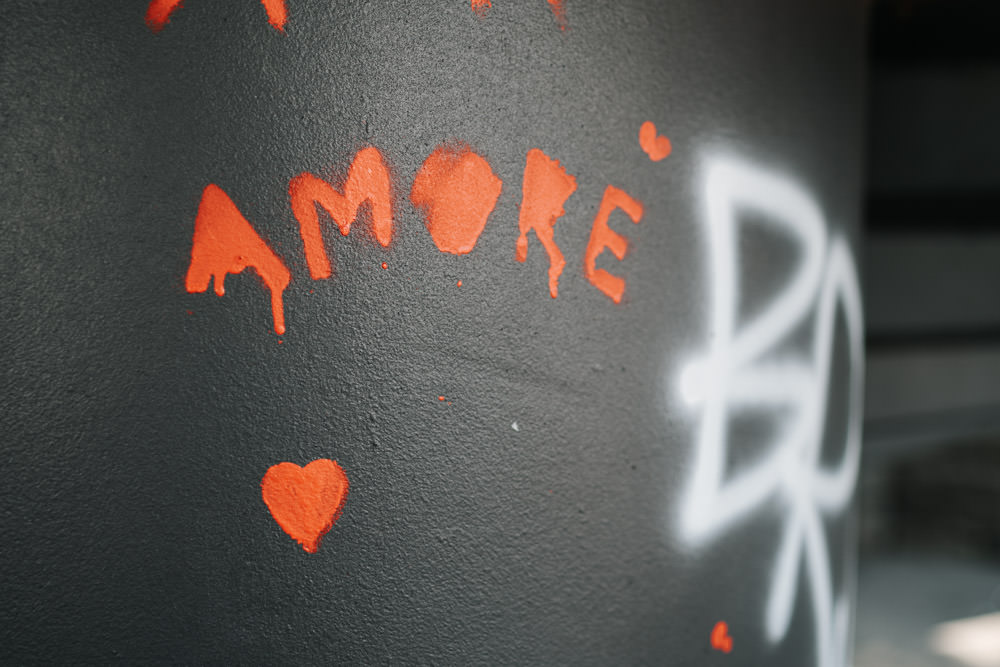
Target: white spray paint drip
x=741, y=372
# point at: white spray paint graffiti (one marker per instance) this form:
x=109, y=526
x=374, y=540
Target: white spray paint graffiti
x=743, y=370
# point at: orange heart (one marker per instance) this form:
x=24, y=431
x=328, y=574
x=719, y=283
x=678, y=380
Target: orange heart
x=721, y=641
x=305, y=502
x=656, y=146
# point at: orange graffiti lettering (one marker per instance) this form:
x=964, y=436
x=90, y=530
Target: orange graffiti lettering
x=367, y=181
x=159, y=11
x=305, y=502
x=656, y=146
x=224, y=242
x=546, y=188
x=602, y=236
x=456, y=189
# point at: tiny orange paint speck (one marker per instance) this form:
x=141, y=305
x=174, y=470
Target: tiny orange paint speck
x=459, y=283
x=385, y=265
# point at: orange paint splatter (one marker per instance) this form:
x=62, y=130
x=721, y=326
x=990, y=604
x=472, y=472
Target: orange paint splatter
x=481, y=6
x=656, y=145
x=368, y=180
x=305, y=502
x=224, y=242
x=601, y=237
x=440, y=398
x=559, y=10
x=459, y=283
x=384, y=265
x=721, y=641
x=456, y=189
x=545, y=189
x=159, y=11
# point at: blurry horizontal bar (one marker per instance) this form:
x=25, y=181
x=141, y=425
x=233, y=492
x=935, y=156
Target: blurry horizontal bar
x=889, y=438
x=968, y=212
x=931, y=286
x=902, y=339
x=912, y=382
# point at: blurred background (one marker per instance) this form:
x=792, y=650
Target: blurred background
x=929, y=584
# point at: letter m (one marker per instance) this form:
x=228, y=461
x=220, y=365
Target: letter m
x=367, y=181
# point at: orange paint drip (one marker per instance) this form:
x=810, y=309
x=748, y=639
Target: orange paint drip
x=601, y=237
x=721, y=641
x=224, y=242
x=158, y=13
x=545, y=189
x=559, y=11
x=457, y=190
x=481, y=6
x=656, y=145
x=277, y=13
x=305, y=502
x=368, y=180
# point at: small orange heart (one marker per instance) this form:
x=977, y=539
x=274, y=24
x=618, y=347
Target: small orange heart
x=656, y=146
x=305, y=502
x=721, y=641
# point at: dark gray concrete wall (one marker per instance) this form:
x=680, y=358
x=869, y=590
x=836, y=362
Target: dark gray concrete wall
x=533, y=480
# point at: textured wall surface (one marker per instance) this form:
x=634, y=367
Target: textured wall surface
x=599, y=483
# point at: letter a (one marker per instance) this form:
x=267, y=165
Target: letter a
x=224, y=242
